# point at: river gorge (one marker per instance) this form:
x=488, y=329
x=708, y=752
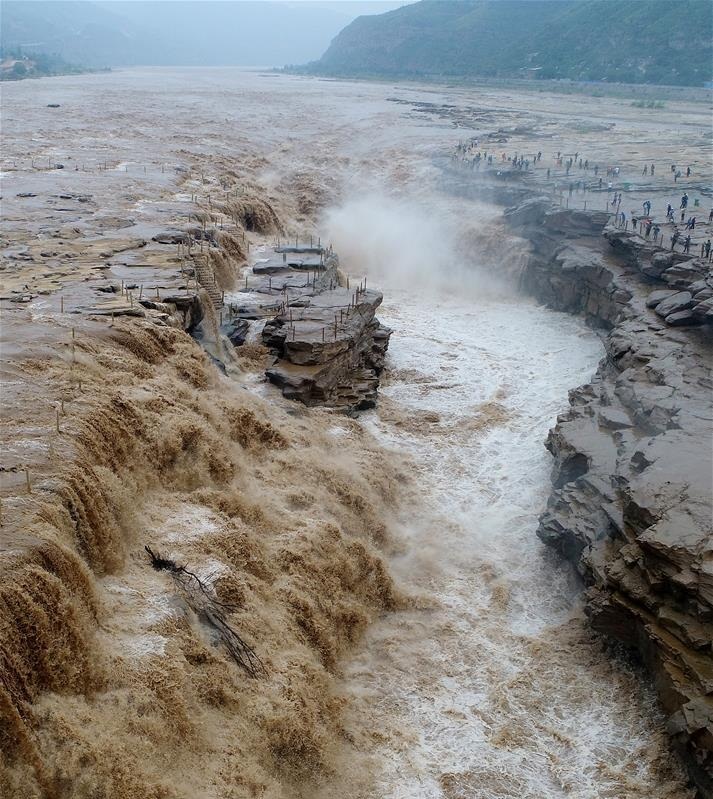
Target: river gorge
x=413, y=634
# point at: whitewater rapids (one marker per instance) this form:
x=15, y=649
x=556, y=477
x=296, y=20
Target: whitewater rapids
x=489, y=683
x=491, y=687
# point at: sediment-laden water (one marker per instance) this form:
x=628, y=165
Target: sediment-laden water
x=491, y=686
x=488, y=684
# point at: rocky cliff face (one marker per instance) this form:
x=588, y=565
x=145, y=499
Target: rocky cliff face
x=633, y=468
x=329, y=345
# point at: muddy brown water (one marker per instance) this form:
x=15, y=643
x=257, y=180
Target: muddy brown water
x=481, y=679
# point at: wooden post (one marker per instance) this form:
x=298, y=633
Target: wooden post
x=28, y=482
x=57, y=421
x=61, y=303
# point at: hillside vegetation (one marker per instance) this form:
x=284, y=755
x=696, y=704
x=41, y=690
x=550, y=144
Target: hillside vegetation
x=639, y=41
x=16, y=66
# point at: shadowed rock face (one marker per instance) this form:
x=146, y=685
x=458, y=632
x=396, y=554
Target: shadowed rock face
x=633, y=469
x=329, y=345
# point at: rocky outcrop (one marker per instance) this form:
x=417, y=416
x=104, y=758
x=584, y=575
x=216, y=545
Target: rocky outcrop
x=329, y=346
x=328, y=359
x=633, y=465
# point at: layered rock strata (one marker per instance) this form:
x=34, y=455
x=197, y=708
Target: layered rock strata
x=633, y=469
x=329, y=345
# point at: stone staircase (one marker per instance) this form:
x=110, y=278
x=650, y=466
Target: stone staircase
x=206, y=278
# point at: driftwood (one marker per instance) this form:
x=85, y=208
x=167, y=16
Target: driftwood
x=211, y=611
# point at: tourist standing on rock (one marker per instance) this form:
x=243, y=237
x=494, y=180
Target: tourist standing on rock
x=687, y=244
x=677, y=176
x=548, y=172
x=708, y=248
x=683, y=214
x=674, y=239
x=647, y=207
x=652, y=170
x=646, y=169
x=688, y=171
x=684, y=201
x=710, y=216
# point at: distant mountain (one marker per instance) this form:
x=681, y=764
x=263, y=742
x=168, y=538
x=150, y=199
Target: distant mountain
x=628, y=41
x=175, y=32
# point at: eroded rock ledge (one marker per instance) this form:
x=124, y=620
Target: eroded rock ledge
x=631, y=502
x=329, y=345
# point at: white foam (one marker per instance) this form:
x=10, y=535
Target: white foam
x=496, y=683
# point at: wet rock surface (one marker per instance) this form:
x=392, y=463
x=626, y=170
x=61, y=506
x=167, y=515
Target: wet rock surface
x=329, y=346
x=633, y=469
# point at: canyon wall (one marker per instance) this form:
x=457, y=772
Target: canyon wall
x=631, y=498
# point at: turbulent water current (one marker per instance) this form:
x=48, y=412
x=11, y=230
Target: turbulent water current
x=488, y=683
x=492, y=687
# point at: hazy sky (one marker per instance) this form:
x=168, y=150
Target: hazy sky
x=100, y=33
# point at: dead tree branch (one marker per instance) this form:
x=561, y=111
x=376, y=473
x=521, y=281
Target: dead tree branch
x=211, y=611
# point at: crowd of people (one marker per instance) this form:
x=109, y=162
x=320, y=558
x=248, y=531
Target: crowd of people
x=471, y=154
